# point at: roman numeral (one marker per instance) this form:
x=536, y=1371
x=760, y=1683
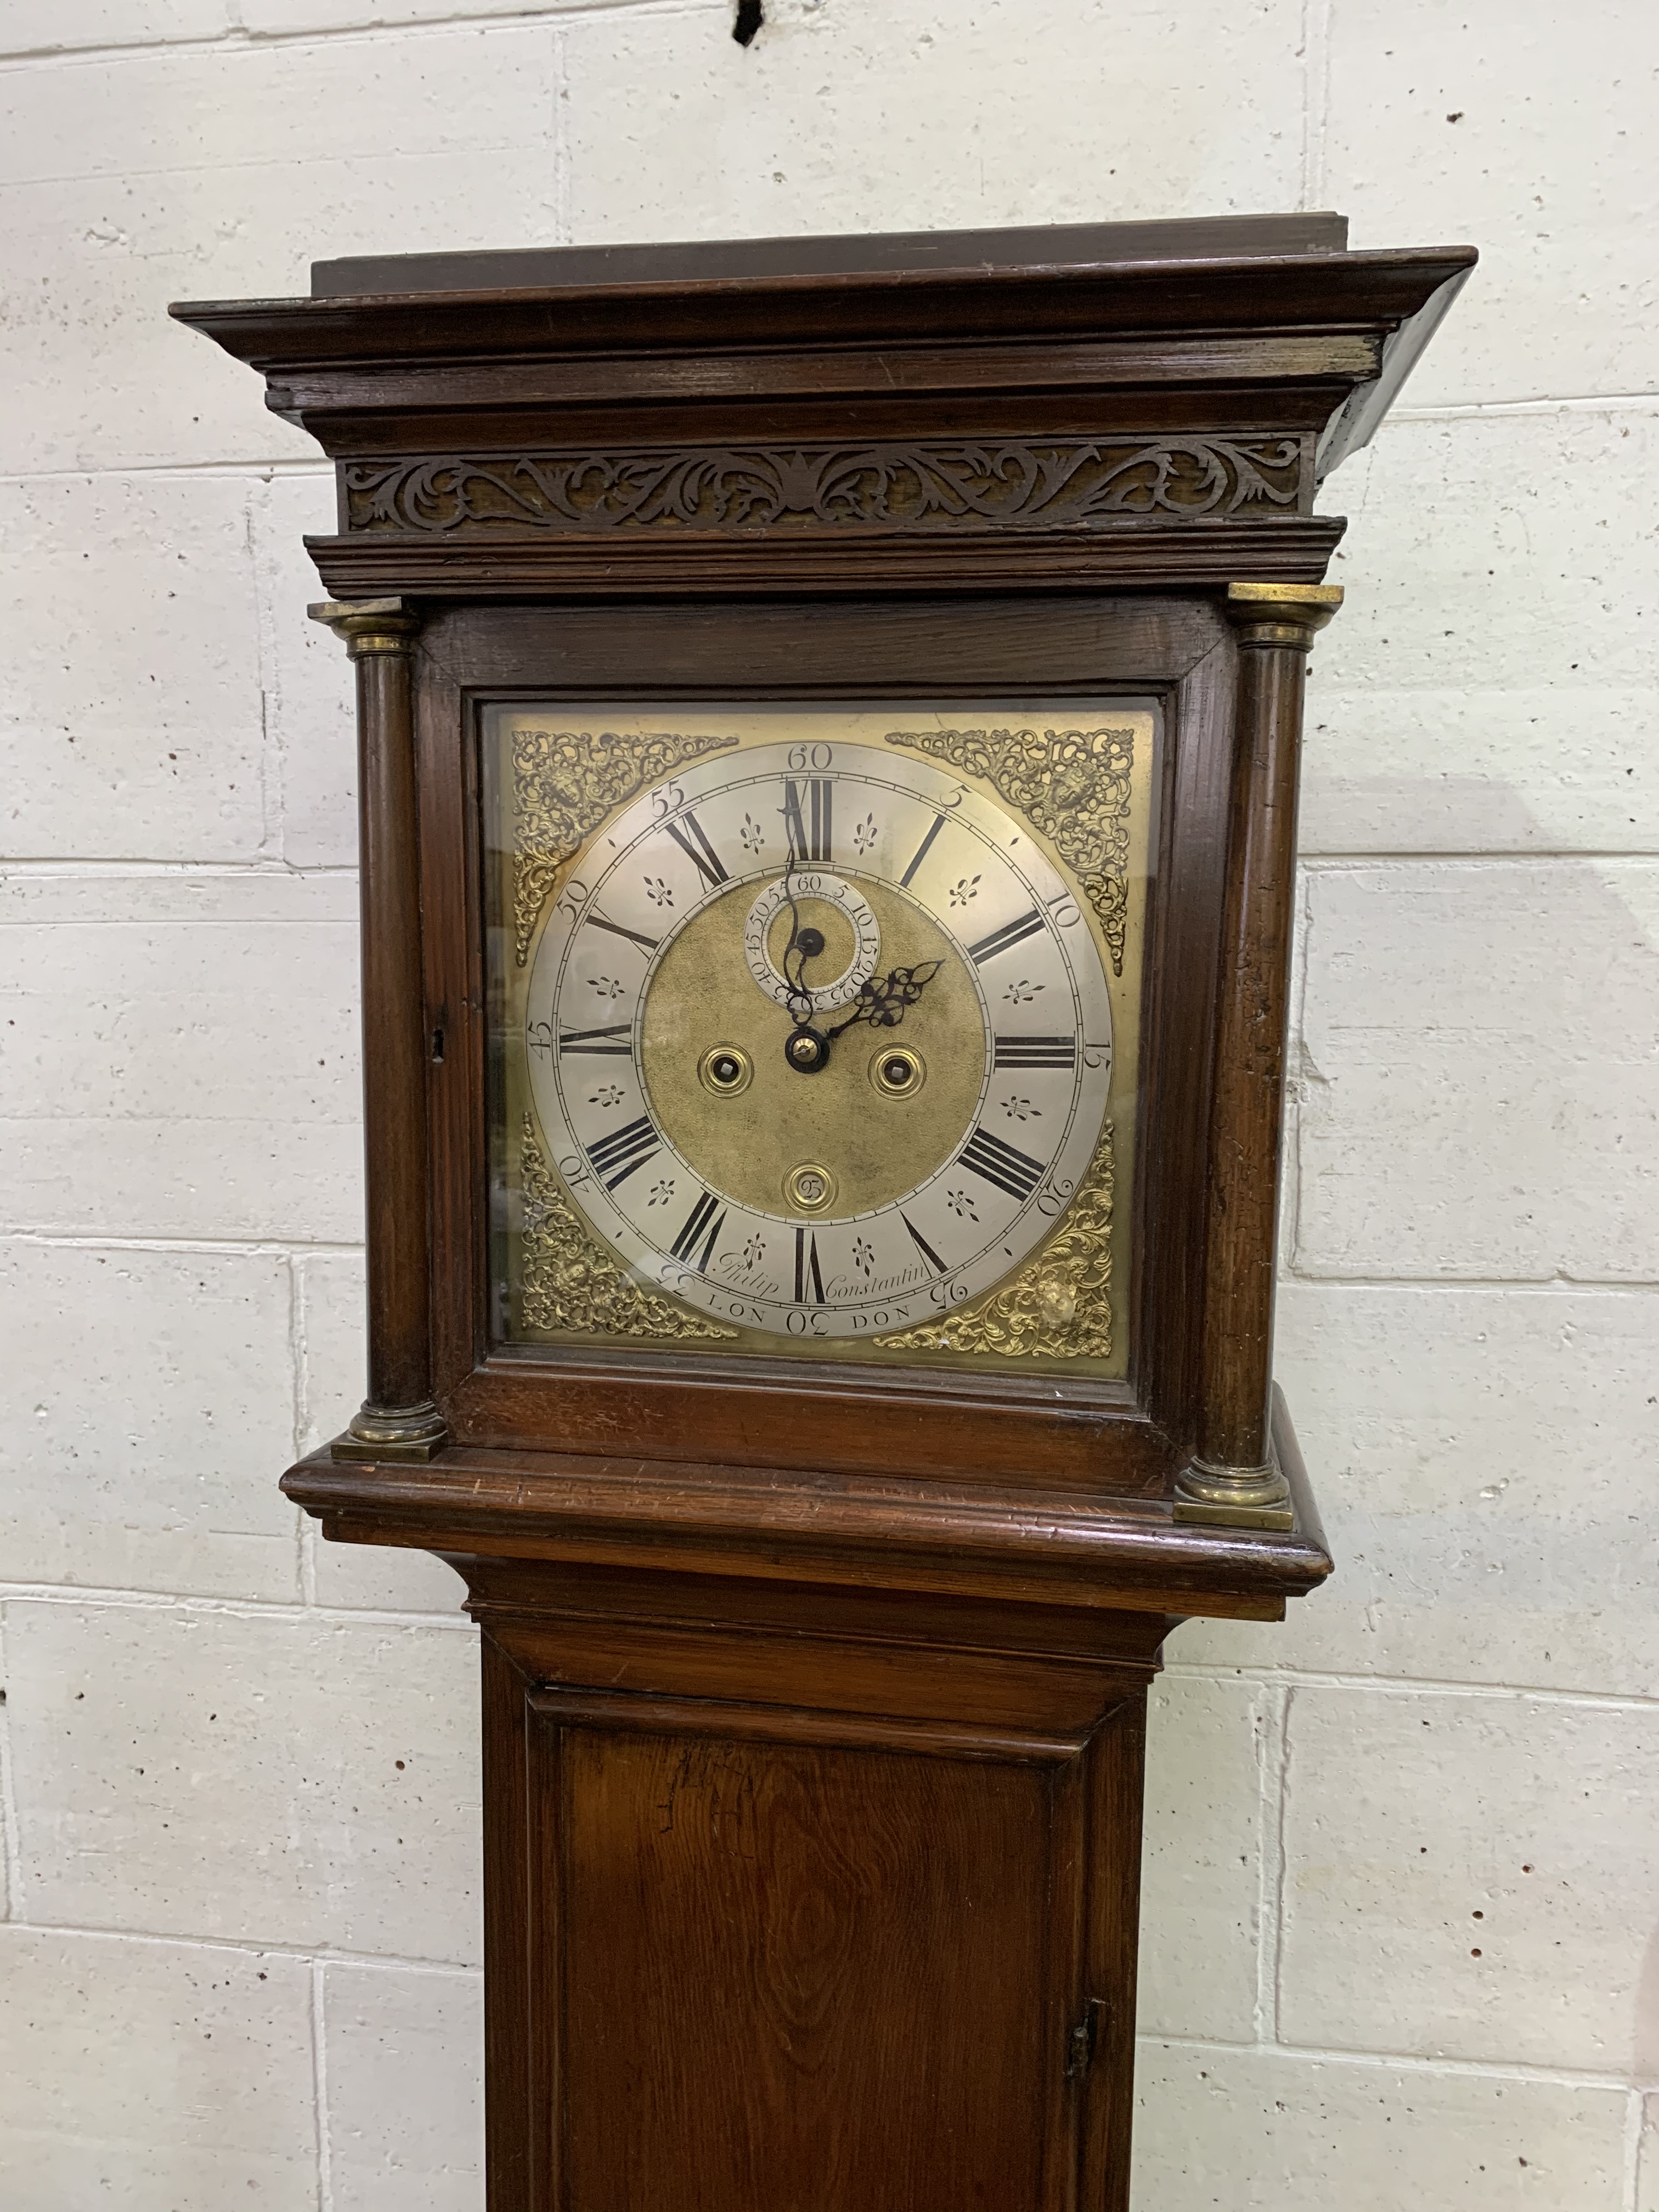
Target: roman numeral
x=924, y=1247
x=622, y=1151
x=1035, y=1052
x=921, y=853
x=702, y=1221
x=1000, y=940
x=809, y=832
x=617, y=1041
x=599, y=921
x=688, y=834
x=1003, y=1164
x=807, y=1267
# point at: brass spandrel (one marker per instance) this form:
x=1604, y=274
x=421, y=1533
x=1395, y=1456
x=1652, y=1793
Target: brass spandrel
x=570, y=1284
x=1057, y=1306
x=1075, y=785
x=565, y=782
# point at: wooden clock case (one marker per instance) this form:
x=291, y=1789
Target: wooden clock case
x=814, y=1698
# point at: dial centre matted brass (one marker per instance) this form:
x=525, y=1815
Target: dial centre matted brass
x=876, y=1145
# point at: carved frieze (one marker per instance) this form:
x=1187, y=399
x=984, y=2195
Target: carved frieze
x=1048, y=483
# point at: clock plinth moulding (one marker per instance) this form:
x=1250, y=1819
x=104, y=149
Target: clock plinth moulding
x=814, y=1673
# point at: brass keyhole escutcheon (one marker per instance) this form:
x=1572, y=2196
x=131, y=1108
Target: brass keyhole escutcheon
x=898, y=1073
x=726, y=1069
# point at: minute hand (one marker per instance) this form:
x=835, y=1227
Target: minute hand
x=882, y=1001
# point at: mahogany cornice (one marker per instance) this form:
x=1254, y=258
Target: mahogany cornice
x=1303, y=294
x=1257, y=345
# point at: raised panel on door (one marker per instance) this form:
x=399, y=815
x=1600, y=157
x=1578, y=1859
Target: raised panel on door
x=780, y=1975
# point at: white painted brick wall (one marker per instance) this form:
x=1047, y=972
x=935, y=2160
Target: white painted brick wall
x=237, y=1963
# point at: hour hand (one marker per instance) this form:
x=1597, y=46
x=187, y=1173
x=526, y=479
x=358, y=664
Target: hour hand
x=883, y=999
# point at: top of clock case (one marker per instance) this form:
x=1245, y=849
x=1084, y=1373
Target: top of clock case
x=902, y=253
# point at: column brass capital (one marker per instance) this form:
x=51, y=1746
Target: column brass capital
x=368, y=627
x=1281, y=614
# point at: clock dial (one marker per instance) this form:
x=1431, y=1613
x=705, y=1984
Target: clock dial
x=819, y=1039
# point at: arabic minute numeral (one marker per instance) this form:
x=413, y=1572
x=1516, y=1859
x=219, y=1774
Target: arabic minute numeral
x=1053, y=1201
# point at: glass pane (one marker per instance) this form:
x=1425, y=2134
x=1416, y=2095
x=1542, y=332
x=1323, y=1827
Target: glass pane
x=815, y=1030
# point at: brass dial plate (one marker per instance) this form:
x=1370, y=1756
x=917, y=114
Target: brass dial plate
x=812, y=1209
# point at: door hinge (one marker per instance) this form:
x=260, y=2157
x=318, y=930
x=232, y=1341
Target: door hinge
x=1083, y=2040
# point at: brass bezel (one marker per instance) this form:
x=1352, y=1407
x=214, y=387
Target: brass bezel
x=792, y=1191
x=705, y=1071
x=912, y=1060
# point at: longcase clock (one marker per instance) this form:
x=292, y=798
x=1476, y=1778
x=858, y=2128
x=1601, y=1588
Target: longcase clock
x=829, y=716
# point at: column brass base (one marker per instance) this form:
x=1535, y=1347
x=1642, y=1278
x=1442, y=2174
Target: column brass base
x=394, y=1432
x=1234, y=1496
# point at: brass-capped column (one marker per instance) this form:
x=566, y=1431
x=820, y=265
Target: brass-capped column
x=1234, y=1478
x=398, y=1421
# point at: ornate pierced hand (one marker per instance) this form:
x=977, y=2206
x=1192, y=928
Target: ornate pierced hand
x=883, y=999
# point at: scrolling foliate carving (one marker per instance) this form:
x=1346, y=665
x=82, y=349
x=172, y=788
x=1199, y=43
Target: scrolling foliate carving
x=565, y=782
x=1061, y=482
x=1072, y=785
x=571, y=1285
x=1056, y=1307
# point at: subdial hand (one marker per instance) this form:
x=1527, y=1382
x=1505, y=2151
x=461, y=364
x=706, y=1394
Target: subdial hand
x=804, y=943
